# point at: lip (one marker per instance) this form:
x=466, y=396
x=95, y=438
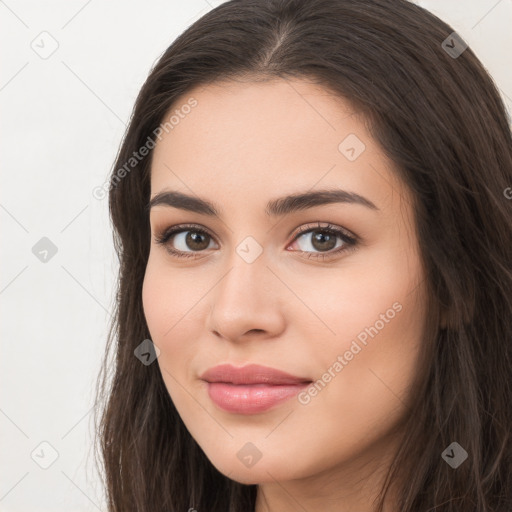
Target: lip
x=251, y=389
x=250, y=374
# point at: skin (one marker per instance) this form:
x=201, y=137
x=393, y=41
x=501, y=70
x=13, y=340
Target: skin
x=244, y=144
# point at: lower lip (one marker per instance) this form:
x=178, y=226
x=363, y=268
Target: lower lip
x=251, y=398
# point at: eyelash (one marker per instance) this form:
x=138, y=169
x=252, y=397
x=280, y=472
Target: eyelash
x=349, y=241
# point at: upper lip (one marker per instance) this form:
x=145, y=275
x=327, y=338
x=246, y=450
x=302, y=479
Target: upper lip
x=250, y=374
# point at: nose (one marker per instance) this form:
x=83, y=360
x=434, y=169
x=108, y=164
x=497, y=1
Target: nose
x=247, y=301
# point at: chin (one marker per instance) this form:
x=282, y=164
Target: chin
x=262, y=472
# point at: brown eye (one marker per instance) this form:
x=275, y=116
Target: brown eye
x=323, y=239
x=193, y=240
x=183, y=241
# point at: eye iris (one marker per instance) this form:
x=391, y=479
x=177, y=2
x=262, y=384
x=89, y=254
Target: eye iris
x=323, y=240
x=193, y=237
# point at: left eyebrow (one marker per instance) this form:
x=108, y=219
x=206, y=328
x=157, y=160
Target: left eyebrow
x=275, y=207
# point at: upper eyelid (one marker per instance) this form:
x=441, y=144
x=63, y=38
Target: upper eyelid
x=329, y=227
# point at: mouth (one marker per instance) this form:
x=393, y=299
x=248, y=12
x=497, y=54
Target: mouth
x=251, y=389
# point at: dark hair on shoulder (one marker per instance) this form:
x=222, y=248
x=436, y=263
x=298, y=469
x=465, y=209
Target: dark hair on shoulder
x=440, y=119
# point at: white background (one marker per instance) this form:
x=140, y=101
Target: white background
x=62, y=120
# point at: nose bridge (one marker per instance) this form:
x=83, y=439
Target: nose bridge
x=247, y=279
x=244, y=299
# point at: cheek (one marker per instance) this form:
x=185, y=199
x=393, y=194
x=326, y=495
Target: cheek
x=348, y=301
x=372, y=330
x=379, y=290
x=171, y=309
x=166, y=319
x=161, y=310
x=364, y=371
x=157, y=304
x=164, y=298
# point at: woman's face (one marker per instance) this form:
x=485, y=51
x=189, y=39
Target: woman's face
x=264, y=283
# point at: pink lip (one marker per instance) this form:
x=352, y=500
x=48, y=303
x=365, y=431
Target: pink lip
x=250, y=389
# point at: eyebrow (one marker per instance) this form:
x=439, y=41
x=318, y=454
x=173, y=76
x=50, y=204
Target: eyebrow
x=275, y=207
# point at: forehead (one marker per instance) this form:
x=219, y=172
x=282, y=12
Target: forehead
x=261, y=139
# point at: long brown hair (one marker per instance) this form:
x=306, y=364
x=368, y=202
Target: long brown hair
x=437, y=114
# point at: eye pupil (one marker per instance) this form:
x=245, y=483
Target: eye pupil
x=194, y=238
x=323, y=240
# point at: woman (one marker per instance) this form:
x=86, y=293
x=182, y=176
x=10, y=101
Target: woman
x=315, y=239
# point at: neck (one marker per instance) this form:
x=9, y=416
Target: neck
x=352, y=486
